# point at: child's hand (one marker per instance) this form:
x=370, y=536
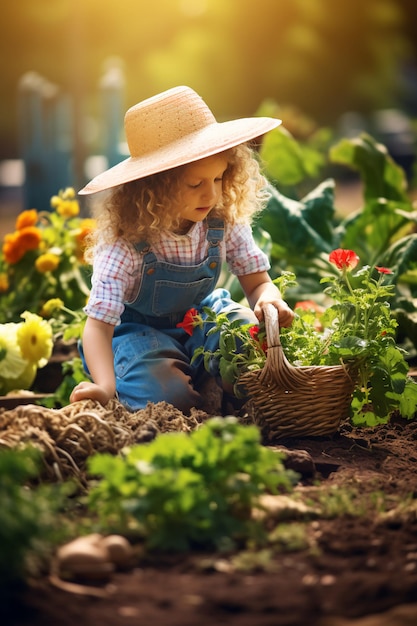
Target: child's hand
x=285, y=313
x=90, y=391
x=260, y=290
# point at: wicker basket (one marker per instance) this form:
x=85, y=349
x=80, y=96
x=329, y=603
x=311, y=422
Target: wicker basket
x=288, y=401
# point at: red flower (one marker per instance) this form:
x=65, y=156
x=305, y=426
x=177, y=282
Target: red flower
x=309, y=305
x=344, y=259
x=254, y=333
x=383, y=270
x=189, y=321
x=313, y=307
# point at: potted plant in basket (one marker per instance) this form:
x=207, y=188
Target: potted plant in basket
x=355, y=329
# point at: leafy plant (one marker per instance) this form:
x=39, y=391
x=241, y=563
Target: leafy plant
x=289, y=161
x=182, y=491
x=26, y=514
x=43, y=258
x=355, y=328
x=241, y=348
x=72, y=373
x=382, y=232
x=66, y=323
x=358, y=330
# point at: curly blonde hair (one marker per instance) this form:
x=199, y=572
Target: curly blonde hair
x=141, y=209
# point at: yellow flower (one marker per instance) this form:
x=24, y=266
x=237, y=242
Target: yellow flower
x=47, y=262
x=34, y=337
x=4, y=282
x=11, y=361
x=66, y=204
x=51, y=306
x=23, y=381
x=68, y=193
x=55, y=201
x=68, y=208
x=42, y=257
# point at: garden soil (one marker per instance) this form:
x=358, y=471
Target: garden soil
x=357, y=570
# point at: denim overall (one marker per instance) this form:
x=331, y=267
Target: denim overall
x=151, y=355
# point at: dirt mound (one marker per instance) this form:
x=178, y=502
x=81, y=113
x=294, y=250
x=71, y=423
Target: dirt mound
x=355, y=565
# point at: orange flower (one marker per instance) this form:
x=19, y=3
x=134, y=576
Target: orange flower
x=29, y=238
x=4, y=282
x=12, y=252
x=309, y=305
x=18, y=243
x=86, y=226
x=313, y=307
x=26, y=218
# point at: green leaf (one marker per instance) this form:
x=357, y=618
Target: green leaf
x=381, y=176
x=400, y=255
x=287, y=161
x=228, y=371
x=301, y=228
x=408, y=400
x=372, y=230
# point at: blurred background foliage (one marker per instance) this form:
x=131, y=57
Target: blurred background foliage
x=324, y=57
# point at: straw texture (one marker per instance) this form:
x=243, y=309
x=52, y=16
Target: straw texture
x=290, y=401
x=171, y=129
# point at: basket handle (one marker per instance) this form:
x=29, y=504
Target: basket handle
x=271, y=318
x=277, y=365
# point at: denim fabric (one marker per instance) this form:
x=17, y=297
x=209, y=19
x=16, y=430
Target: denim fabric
x=151, y=355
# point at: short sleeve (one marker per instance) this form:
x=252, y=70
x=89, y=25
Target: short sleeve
x=115, y=271
x=243, y=256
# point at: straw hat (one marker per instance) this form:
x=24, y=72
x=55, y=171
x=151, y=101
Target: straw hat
x=171, y=129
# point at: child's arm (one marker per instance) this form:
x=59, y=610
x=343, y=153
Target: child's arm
x=98, y=353
x=259, y=290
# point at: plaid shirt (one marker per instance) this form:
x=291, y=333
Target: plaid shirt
x=117, y=267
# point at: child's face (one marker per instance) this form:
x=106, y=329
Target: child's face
x=201, y=187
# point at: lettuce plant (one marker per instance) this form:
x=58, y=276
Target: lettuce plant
x=183, y=491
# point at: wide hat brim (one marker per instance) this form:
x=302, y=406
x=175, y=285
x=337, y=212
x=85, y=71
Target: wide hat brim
x=212, y=139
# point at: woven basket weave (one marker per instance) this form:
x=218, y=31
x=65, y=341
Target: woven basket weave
x=288, y=401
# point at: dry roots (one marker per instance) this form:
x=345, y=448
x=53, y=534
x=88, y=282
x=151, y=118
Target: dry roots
x=68, y=436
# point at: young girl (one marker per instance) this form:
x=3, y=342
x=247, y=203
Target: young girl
x=180, y=205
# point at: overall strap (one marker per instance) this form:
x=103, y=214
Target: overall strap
x=215, y=231
x=144, y=248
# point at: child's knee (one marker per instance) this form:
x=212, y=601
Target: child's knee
x=164, y=380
